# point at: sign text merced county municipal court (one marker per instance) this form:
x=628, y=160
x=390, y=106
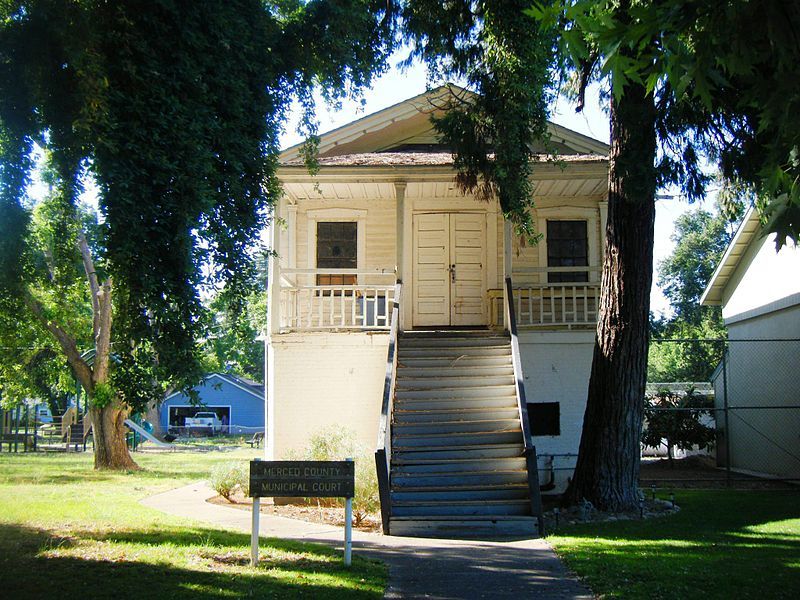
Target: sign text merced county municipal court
x=302, y=478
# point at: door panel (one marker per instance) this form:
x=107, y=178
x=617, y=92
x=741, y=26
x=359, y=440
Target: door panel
x=431, y=295
x=445, y=242
x=467, y=234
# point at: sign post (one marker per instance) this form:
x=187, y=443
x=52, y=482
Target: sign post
x=255, y=528
x=302, y=479
x=348, y=527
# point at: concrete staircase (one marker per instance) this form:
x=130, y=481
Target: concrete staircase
x=457, y=464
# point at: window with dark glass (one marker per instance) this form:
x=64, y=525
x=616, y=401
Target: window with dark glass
x=567, y=246
x=544, y=418
x=337, y=248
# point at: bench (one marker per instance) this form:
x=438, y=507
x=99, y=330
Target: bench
x=255, y=441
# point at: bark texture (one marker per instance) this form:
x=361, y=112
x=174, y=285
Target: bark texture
x=110, y=446
x=607, y=471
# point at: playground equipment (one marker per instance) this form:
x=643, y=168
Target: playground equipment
x=18, y=426
x=142, y=432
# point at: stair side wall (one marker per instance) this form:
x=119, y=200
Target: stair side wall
x=322, y=380
x=557, y=365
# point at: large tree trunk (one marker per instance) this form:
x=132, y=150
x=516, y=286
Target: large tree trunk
x=607, y=471
x=110, y=446
x=108, y=419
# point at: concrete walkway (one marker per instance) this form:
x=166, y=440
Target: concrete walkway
x=418, y=567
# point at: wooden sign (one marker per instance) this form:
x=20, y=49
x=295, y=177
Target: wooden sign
x=302, y=479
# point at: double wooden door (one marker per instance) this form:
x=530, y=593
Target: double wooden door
x=449, y=276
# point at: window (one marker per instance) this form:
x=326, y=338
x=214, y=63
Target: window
x=567, y=246
x=337, y=248
x=544, y=418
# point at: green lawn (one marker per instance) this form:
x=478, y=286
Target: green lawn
x=722, y=544
x=67, y=531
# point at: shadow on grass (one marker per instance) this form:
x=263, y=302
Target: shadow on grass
x=721, y=544
x=103, y=575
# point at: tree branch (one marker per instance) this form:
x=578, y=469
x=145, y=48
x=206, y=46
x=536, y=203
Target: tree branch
x=102, y=339
x=81, y=368
x=91, y=276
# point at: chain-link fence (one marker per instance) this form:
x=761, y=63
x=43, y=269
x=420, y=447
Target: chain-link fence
x=722, y=410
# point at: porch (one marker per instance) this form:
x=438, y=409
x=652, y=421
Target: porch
x=305, y=305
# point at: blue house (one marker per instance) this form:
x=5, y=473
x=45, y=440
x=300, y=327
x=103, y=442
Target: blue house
x=238, y=402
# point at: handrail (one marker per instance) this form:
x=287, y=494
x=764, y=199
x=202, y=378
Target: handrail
x=522, y=405
x=383, y=450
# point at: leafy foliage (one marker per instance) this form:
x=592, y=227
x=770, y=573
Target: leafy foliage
x=504, y=57
x=31, y=362
x=233, y=341
x=676, y=420
x=337, y=443
x=174, y=108
x=227, y=478
x=701, y=238
x=723, y=80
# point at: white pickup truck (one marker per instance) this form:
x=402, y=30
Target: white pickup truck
x=204, y=420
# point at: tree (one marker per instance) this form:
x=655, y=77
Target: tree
x=675, y=79
x=506, y=59
x=31, y=363
x=174, y=108
x=701, y=238
x=676, y=420
x=233, y=343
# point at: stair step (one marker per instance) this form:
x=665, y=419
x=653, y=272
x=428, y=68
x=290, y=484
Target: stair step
x=468, y=452
x=436, y=341
x=451, y=362
x=415, y=404
x=402, y=481
x=462, y=508
x=456, y=439
x=446, y=427
x=457, y=494
x=446, y=381
x=463, y=527
x=473, y=392
x=458, y=465
x=454, y=414
x=448, y=372
x=404, y=354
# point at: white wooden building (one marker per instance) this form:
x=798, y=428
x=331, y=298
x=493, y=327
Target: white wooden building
x=759, y=291
x=383, y=226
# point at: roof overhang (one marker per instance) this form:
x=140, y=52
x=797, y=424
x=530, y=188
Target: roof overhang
x=371, y=133
x=749, y=230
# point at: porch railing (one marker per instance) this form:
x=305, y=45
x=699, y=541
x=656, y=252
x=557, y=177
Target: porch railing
x=383, y=449
x=522, y=406
x=308, y=305
x=542, y=303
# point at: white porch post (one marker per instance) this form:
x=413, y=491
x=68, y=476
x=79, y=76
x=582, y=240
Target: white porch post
x=400, y=208
x=273, y=327
x=274, y=273
x=603, y=208
x=507, y=233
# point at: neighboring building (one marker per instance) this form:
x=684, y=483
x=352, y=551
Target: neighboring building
x=384, y=208
x=238, y=402
x=759, y=291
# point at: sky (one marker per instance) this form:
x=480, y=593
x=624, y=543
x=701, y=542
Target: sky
x=396, y=85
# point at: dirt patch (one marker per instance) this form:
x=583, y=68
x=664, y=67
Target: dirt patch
x=311, y=513
x=586, y=513
x=700, y=472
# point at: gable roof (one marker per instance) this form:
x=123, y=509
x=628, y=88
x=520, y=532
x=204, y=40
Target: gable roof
x=246, y=385
x=748, y=230
x=407, y=124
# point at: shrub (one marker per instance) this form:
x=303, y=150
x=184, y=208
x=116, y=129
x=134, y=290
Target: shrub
x=227, y=478
x=338, y=443
x=675, y=419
